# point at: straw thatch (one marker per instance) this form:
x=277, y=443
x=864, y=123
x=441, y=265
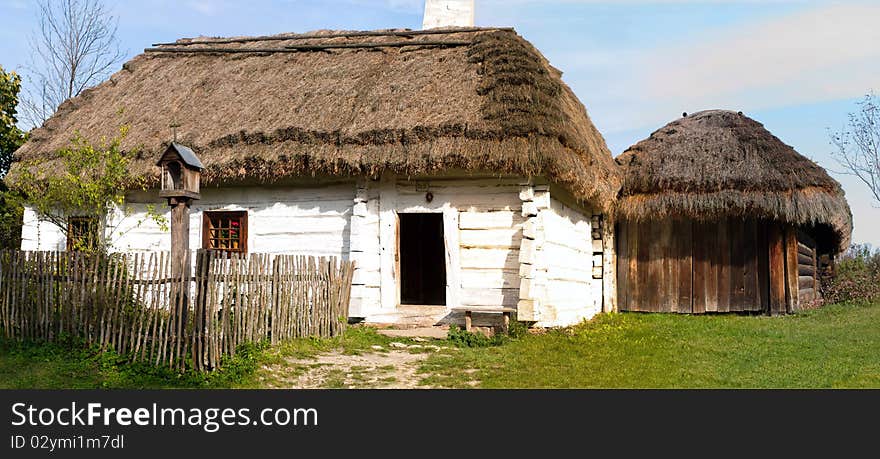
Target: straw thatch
x=719, y=163
x=346, y=103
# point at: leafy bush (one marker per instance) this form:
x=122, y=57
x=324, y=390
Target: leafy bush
x=11, y=214
x=517, y=329
x=857, y=277
x=463, y=338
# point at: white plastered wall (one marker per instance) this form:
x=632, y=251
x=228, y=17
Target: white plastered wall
x=305, y=220
x=39, y=234
x=559, y=285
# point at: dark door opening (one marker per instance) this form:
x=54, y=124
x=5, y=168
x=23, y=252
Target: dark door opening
x=422, y=259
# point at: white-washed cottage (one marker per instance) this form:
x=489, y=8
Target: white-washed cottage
x=453, y=165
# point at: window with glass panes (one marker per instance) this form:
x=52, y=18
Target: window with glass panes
x=225, y=231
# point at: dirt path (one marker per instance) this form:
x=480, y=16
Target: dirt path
x=394, y=368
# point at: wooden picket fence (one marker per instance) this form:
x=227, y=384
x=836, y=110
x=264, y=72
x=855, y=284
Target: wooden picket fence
x=132, y=304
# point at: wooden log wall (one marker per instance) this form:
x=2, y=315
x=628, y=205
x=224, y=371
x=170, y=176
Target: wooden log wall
x=683, y=266
x=807, y=268
x=131, y=304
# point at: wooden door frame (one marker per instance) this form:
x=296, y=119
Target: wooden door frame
x=446, y=253
x=392, y=203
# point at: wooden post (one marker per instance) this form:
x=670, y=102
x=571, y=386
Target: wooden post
x=179, y=236
x=609, y=268
x=180, y=207
x=791, y=270
x=777, y=269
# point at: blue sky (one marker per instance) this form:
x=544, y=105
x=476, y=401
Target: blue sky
x=798, y=66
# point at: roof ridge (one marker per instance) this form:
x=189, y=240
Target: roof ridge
x=299, y=48
x=334, y=34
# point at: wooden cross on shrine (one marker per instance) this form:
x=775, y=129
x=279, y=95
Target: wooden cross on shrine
x=174, y=125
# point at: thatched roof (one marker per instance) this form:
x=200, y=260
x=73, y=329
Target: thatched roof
x=720, y=163
x=346, y=103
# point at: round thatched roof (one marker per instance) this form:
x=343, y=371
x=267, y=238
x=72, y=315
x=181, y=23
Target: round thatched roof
x=345, y=103
x=719, y=163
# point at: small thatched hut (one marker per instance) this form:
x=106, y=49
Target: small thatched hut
x=453, y=165
x=718, y=215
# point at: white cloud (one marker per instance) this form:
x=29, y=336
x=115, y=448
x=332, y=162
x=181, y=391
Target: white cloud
x=824, y=44
x=206, y=7
x=824, y=53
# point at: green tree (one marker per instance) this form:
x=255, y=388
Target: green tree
x=92, y=181
x=11, y=137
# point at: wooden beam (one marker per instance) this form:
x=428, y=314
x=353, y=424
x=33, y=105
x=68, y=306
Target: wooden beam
x=804, y=270
x=751, y=268
x=634, y=284
x=776, y=249
x=805, y=282
x=646, y=290
x=804, y=259
x=179, y=236
x=700, y=267
x=725, y=269
x=762, y=262
x=791, y=269
x=622, y=265
x=609, y=257
x=685, y=229
x=815, y=276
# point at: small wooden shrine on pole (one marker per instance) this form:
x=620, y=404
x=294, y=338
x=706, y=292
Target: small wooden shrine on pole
x=181, y=172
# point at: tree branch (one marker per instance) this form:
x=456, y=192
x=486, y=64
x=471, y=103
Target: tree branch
x=73, y=49
x=857, y=146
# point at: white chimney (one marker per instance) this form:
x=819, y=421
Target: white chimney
x=448, y=13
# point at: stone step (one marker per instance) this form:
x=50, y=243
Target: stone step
x=410, y=316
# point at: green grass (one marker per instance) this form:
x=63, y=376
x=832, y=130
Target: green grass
x=834, y=347
x=71, y=366
x=55, y=366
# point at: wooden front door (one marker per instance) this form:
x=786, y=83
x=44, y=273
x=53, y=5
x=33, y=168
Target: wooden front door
x=422, y=259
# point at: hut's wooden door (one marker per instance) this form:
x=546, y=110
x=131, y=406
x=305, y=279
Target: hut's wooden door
x=655, y=272
x=679, y=265
x=727, y=266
